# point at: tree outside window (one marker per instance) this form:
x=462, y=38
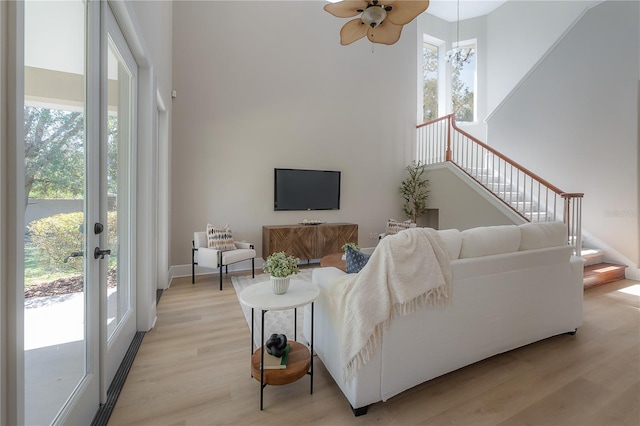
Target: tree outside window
x=463, y=86
x=430, y=82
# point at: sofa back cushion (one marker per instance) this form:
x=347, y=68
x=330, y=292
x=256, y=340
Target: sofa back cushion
x=453, y=240
x=542, y=235
x=489, y=240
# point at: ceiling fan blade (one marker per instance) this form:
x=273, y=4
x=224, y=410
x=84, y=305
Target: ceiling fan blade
x=404, y=11
x=385, y=33
x=346, y=8
x=352, y=31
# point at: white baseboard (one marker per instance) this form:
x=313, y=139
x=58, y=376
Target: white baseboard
x=632, y=273
x=178, y=271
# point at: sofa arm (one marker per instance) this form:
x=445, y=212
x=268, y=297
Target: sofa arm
x=243, y=245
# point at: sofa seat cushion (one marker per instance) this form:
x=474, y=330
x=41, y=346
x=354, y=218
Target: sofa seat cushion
x=542, y=235
x=489, y=240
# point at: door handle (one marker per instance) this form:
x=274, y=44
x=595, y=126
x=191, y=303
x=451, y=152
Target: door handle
x=73, y=254
x=97, y=253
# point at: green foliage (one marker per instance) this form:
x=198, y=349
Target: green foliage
x=112, y=154
x=415, y=191
x=54, y=153
x=56, y=237
x=461, y=96
x=430, y=82
x=281, y=265
x=352, y=245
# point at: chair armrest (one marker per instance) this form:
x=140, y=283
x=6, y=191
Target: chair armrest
x=243, y=245
x=208, y=257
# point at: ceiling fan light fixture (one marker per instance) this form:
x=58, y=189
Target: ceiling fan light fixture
x=386, y=17
x=373, y=16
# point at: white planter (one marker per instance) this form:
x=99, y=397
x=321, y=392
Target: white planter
x=280, y=285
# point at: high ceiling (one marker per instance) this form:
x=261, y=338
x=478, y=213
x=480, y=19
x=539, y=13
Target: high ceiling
x=448, y=9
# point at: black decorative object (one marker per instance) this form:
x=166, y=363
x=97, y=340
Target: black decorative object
x=276, y=344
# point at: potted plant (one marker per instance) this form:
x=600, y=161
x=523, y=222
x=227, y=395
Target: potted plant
x=415, y=191
x=344, y=248
x=280, y=267
x=352, y=245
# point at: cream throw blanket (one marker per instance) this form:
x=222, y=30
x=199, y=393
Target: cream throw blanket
x=406, y=271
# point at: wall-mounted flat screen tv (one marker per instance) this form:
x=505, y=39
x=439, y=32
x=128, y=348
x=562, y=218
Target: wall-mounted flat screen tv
x=297, y=189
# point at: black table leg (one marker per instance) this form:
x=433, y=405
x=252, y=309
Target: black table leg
x=312, y=347
x=262, y=361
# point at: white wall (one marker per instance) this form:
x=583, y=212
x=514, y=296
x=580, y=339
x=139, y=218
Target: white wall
x=576, y=119
x=155, y=19
x=454, y=196
x=266, y=84
x=519, y=33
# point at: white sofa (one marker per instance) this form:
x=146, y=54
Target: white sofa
x=512, y=285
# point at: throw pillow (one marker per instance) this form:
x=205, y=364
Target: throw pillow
x=356, y=260
x=220, y=238
x=393, y=226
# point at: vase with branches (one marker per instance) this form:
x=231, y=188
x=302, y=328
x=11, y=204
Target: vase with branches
x=415, y=191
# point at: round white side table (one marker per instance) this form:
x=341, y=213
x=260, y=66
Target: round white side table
x=261, y=296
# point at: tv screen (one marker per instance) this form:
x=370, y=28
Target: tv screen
x=296, y=189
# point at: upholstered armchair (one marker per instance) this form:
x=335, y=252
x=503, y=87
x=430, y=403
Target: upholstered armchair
x=206, y=257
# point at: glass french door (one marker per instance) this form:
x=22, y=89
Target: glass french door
x=61, y=279
x=79, y=127
x=119, y=318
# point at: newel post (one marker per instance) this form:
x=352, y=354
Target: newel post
x=448, y=152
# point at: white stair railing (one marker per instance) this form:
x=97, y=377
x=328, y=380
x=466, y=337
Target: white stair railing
x=524, y=192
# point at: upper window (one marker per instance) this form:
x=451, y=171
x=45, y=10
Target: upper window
x=464, y=83
x=429, y=81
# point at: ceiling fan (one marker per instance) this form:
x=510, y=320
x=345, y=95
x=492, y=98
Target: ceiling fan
x=380, y=20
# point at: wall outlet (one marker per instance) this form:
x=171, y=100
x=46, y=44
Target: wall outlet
x=373, y=236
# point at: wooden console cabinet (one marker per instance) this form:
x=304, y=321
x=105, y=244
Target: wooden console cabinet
x=307, y=241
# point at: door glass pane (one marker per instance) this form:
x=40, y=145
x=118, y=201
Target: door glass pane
x=54, y=128
x=120, y=132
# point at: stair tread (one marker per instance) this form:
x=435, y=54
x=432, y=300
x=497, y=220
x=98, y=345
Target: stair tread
x=602, y=273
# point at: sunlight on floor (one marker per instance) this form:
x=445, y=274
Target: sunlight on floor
x=633, y=289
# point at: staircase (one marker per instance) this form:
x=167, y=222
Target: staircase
x=525, y=193
x=597, y=271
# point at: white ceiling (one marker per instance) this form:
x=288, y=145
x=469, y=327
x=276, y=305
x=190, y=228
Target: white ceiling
x=448, y=9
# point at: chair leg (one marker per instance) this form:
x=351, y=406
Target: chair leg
x=193, y=262
x=220, y=277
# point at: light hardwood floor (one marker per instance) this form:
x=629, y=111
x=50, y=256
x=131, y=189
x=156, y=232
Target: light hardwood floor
x=193, y=369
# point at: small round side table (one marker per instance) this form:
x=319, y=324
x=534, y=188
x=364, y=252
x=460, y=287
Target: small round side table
x=261, y=296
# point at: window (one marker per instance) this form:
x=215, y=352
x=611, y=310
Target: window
x=463, y=84
x=429, y=81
